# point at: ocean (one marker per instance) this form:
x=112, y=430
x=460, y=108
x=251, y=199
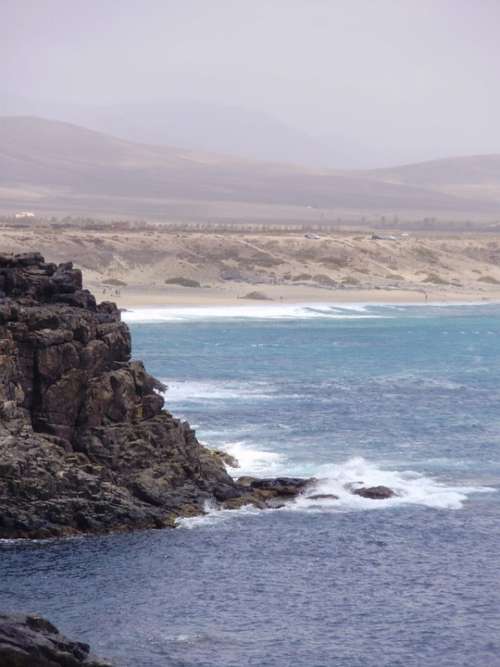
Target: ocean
x=405, y=396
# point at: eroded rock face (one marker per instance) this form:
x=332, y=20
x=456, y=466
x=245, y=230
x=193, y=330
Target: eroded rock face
x=85, y=444
x=31, y=641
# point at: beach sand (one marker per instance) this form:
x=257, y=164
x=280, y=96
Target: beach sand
x=218, y=296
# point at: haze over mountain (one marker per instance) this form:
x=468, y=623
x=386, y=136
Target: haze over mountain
x=205, y=126
x=57, y=167
x=344, y=84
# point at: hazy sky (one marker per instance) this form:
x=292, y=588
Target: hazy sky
x=395, y=80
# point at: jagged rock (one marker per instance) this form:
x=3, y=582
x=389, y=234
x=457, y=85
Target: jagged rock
x=85, y=444
x=282, y=486
x=374, y=492
x=31, y=641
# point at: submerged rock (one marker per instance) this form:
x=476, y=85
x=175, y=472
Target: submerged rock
x=85, y=444
x=31, y=641
x=323, y=496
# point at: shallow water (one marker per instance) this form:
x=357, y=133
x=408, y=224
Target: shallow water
x=403, y=396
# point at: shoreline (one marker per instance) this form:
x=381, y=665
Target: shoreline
x=140, y=298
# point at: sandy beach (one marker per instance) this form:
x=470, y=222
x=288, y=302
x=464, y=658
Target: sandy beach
x=144, y=298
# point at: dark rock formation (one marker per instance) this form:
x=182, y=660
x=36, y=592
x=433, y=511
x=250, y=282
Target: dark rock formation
x=268, y=492
x=85, y=444
x=283, y=486
x=31, y=641
x=374, y=492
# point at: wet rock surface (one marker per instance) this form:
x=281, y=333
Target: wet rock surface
x=31, y=641
x=85, y=444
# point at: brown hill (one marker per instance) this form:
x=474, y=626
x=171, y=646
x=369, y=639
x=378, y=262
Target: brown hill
x=475, y=178
x=57, y=167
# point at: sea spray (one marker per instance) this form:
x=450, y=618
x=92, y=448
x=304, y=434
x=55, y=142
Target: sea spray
x=410, y=487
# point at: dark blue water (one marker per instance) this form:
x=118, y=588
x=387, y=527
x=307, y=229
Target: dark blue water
x=409, y=397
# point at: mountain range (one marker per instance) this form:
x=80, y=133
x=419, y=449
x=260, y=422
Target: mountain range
x=56, y=167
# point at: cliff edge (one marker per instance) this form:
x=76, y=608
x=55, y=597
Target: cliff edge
x=85, y=444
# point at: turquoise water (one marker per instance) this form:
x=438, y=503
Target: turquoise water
x=403, y=396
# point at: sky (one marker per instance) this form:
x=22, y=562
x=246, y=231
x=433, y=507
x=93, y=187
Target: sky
x=371, y=83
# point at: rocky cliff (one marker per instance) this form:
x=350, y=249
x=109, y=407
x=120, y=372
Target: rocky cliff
x=85, y=444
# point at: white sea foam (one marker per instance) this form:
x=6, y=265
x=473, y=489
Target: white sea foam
x=411, y=488
x=253, y=461
x=283, y=311
x=209, y=390
x=277, y=311
x=214, y=515
x=339, y=479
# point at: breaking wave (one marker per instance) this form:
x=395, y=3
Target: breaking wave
x=410, y=487
x=254, y=461
x=300, y=311
x=333, y=491
x=261, y=312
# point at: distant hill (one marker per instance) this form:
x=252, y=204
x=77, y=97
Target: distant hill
x=197, y=125
x=57, y=167
x=476, y=177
